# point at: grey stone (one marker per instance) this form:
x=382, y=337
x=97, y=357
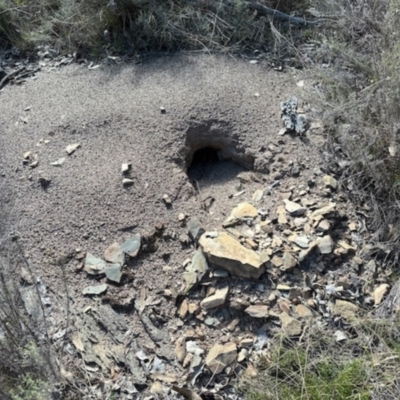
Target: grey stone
x=228, y=253
x=293, y=208
x=94, y=265
x=215, y=300
x=71, y=148
x=325, y=244
x=95, y=290
x=132, y=245
x=114, y=254
x=114, y=273
x=195, y=229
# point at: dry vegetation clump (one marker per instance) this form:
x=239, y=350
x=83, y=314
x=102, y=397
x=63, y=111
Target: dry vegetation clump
x=151, y=25
x=26, y=363
x=362, y=93
x=317, y=367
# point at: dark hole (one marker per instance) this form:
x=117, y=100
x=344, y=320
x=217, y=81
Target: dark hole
x=202, y=160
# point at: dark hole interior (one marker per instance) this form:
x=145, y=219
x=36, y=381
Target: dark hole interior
x=202, y=160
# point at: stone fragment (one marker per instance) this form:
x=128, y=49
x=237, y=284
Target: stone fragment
x=190, y=280
x=94, y=265
x=290, y=326
x=330, y=182
x=180, y=349
x=325, y=244
x=242, y=210
x=345, y=309
x=304, y=312
x=228, y=253
x=380, y=292
x=132, y=245
x=127, y=182
x=195, y=229
x=257, y=311
x=59, y=162
x=221, y=356
x=215, y=300
x=281, y=211
x=302, y=241
x=340, y=336
x=293, y=208
x=257, y=195
x=199, y=263
x=183, y=309
x=353, y=226
x=324, y=210
x=125, y=167
x=114, y=272
x=277, y=261
x=114, y=254
x=323, y=226
x=71, y=148
x=288, y=261
x=95, y=290
x=167, y=200
x=27, y=155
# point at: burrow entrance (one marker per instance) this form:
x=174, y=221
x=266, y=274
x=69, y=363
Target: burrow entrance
x=214, y=157
x=213, y=153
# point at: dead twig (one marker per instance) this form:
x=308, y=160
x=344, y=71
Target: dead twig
x=10, y=75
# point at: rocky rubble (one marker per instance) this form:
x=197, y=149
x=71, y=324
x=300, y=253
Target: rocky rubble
x=263, y=272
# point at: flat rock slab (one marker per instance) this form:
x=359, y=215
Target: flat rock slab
x=215, y=300
x=114, y=273
x=220, y=356
x=132, y=245
x=95, y=289
x=228, y=253
x=94, y=265
x=114, y=254
x=257, y=311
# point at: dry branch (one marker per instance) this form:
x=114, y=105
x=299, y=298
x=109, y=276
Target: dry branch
x=300, y=22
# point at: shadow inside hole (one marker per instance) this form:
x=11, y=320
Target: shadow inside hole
x=208, y=167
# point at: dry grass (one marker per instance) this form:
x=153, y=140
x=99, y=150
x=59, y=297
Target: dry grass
x=137, y=25
x=318, y=368
x=361, y=89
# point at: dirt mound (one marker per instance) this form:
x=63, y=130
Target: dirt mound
x=198, y=135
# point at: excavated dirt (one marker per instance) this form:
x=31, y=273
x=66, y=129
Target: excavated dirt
x=214, y=127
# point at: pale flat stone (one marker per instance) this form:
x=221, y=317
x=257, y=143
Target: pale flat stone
x=345, y=309
x=289, y=262
x=302, y=241
x=71, y=148
x=94, y=265
x=281, y=211
x=228, y=253
x=221, y=356
x=293, y=208
x=277, y=261
x=330, y=181
x=323, y=226
x=114, y=254
x=242, y=210
x=95, y=290
x=215, y=300
x=304, y=312
x=324, y=210
x=132, y=245
x=257, y=195
x=257, y=311
x=114, y=272
x=325, y=244
x=290, y=326
x=380, y=292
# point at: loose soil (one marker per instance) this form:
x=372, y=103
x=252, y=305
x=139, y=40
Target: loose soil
x=114, y=113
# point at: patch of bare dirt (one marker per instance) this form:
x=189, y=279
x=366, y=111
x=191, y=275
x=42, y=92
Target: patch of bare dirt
x=215, y=145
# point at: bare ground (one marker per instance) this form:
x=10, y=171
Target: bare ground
x=114, y=113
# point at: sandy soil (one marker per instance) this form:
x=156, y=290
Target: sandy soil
x=114, y=113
